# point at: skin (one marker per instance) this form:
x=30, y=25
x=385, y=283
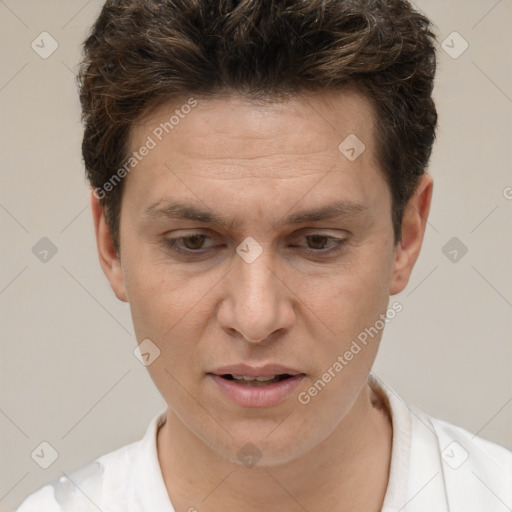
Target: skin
x=253, y=165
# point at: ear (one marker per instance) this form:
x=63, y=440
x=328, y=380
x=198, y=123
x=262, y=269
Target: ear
x=414, y=223
x=109, y=259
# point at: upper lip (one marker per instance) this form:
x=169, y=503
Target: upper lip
x=255, y=371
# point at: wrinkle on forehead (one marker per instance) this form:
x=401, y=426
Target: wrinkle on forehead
x=287, y=166
x=234, y=127
x=231, y=177
x=255, y=149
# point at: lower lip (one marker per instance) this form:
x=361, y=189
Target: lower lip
x=257, y=396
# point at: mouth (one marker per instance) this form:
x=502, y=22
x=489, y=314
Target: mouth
x=248, y=386
x=245, y=380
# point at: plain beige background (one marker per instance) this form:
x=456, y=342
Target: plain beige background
x=68, y=373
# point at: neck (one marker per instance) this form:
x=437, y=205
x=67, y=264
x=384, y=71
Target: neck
x=349, y=470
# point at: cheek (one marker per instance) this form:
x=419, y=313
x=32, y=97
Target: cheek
x=161, y=294
x=350, y=305
x=354, y=295
x=167, y=309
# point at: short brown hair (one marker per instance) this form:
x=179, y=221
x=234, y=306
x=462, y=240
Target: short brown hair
x=142, y=53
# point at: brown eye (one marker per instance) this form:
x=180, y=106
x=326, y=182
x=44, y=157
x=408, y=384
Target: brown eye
x=318, y=241
x=192, y=245
x=320, y=245
x=196, y=242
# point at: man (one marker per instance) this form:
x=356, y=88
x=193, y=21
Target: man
x=259, y=190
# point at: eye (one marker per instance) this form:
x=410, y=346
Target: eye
x=187, y=244
x=194, y=241
x=318, y=243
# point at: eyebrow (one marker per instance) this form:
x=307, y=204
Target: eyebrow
x=178, y=210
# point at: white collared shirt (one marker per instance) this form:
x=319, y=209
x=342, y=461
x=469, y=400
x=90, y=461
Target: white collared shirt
x=435, y=467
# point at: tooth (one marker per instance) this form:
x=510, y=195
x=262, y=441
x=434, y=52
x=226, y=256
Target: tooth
x=245, y=378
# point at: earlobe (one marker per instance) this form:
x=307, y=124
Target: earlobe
x=400, y=278
x=413, y=229
x=109, y=259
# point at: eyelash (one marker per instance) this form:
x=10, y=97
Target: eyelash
x=173, y=245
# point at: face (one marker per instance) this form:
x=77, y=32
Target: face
x=248, y=236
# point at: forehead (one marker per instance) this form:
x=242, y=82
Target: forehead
x=226, y=144
x=237, y=127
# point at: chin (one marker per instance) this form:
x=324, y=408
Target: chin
x=262, y=445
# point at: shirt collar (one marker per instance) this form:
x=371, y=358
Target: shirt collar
x=150, y=487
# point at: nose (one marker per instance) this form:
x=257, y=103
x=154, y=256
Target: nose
x=258, y=302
